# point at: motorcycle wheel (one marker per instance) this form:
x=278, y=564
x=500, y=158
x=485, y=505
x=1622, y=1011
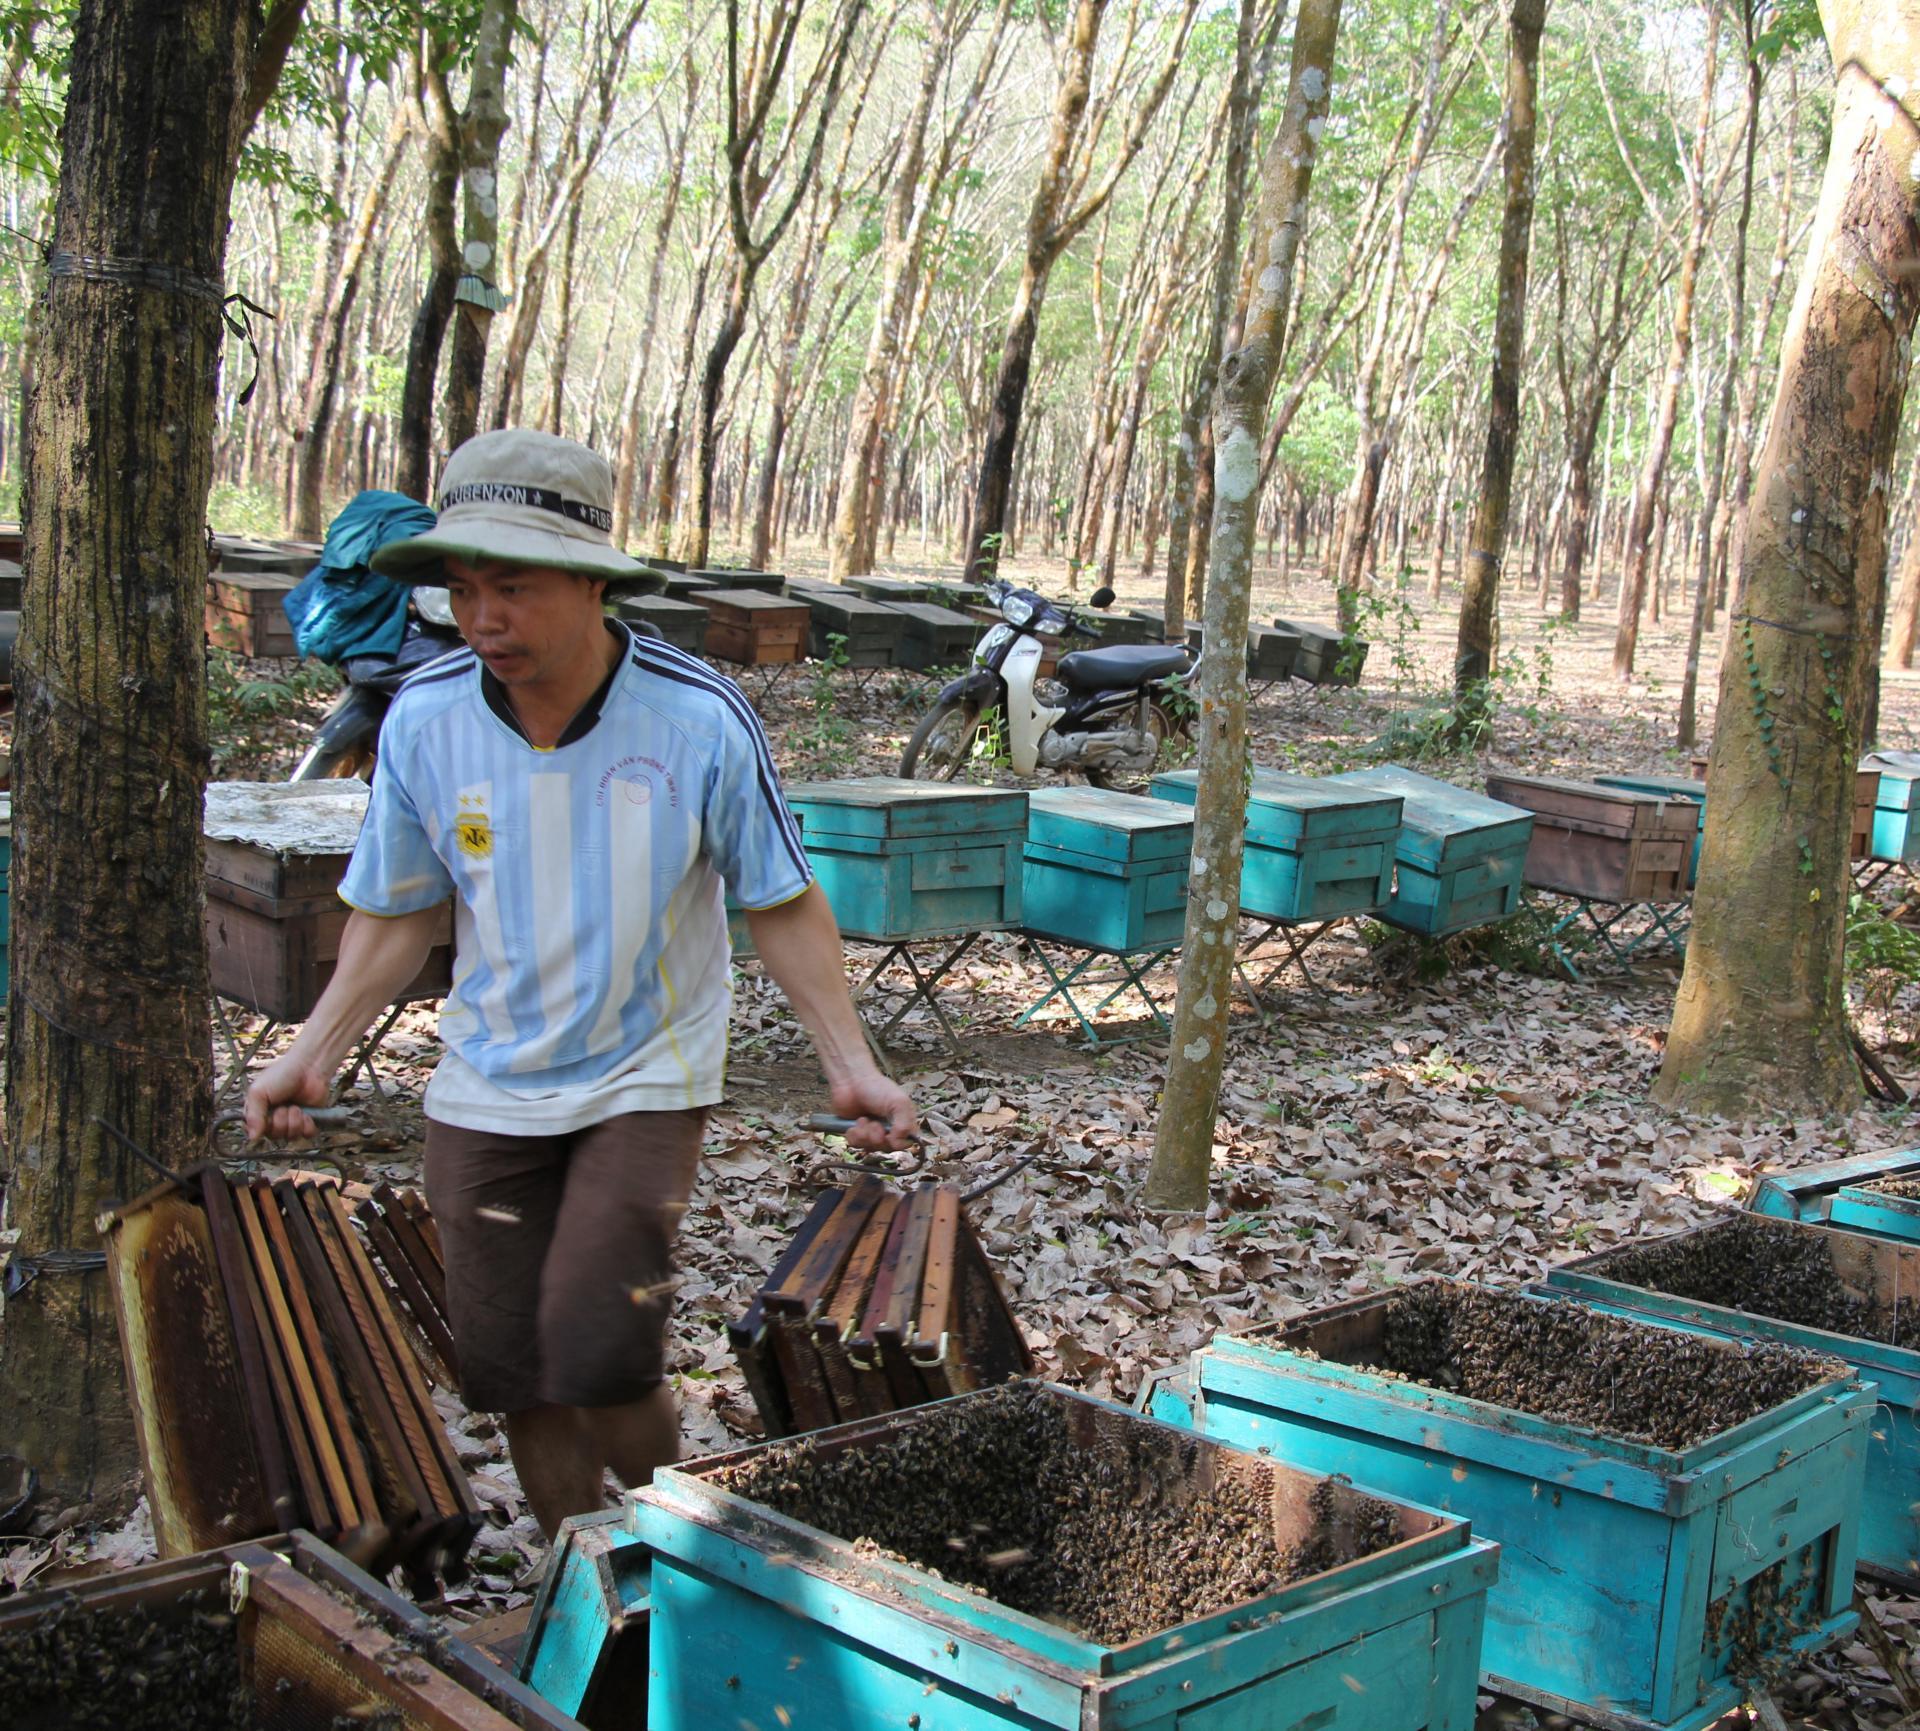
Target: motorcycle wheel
x=942, y=745
x=1161, y=727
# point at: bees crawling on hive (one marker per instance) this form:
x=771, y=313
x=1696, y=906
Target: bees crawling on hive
x=1561, y=1361
x=1112, y=1539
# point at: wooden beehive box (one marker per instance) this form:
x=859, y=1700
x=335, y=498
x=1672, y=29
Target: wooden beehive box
x=1459, y=857
x=304, y=1636
x=1314, y=850
x=952, y=592
x=1326, y=656
x=586, y=1645
x=685, y=586
x=883, y=1299
x=10, y=585
x=1122, y=628
x=681, y=623
x=1106, y=870
x=900, y=860
x=1896, y=805
x=13, y=542
x=761, y=1619
x=247, y=555
x=934, y=636
x=1877, y=1270
x=870, y=630
x=1628, y=1571
x=1608, y=843
x=731, y=577
x=1670, y=787
x=244, y=612
x=887, y=588
x=1272, y=653
x=1866, y=802
x=1809, y=1192
x=276, y=853
x=754, y=630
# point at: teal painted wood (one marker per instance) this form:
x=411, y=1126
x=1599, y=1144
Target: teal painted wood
x=1611, y=1552
x=586, y=1644
x=1889, y=1527
x=1168, y=1396
x=1896, y=806
x=885, y=805
x=1807, y=1192
x=758, y=1620
x=1125, y=827
x=1325, y=656
x=1314, y=851
x=1855, y=1208
x=1669, y=787
x=1461, y=857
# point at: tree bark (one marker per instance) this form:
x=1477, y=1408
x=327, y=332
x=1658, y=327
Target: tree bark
x=1487, y=538
x=1906, y=596
x=1183, y=1144
x=433, y=116
x=1760, y=1022
x=107, y=1017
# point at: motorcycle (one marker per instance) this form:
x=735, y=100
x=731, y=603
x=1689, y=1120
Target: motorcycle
x=344, y=743
x=1107, y=713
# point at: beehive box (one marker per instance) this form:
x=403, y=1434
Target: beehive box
x=1272, y=653
x=887, y=588
x=741, y=577
x=1459, y=858
x=1121, y=628
x=934, y=636
x=244, y=612
x=1847, y=1294
x=1607, y=843
x=754, y=630
x=952, y=592
x=1808, y=1192
x=276, y=854
x=1638, y=1553
x=1896, y=804
x=1866, y=801
x=1670, y=787
x=279, y=1636
x=10, y=585
x=870, y=631
x=900, y=860
x=1128, y=1575
x=685, y=586
x=9, y=636
x=1314, y=851
x=1327, y=656
x=585, y=1652
x=1106, y=870
x=247, y=555
x=681, y=623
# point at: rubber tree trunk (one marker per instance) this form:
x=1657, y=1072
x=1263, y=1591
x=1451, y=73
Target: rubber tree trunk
x=1906, y=595
x=107, y=1018
x=1183, y=1145
x=413, y=468
x=484, y=125
x=1760, y=1022
x=1487, y=537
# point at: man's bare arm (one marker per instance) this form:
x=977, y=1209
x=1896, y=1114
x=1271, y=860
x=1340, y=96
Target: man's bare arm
x=800, y=945
x=378, y=960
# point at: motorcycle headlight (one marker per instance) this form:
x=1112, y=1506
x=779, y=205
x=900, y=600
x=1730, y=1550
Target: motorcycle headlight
x=1016, y=610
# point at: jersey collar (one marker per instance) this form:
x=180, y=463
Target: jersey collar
x=588, y=715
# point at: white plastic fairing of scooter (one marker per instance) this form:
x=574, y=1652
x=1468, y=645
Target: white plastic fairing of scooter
x=1027, y=722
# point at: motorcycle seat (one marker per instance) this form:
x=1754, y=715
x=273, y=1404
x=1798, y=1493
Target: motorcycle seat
x=1124, y=665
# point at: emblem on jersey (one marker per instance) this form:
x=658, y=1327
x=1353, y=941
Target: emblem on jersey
x=638, y=789
x=472, y=830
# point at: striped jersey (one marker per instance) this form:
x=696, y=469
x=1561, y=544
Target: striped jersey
x=591, y=973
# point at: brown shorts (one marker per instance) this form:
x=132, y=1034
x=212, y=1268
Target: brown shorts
x=559, y=1255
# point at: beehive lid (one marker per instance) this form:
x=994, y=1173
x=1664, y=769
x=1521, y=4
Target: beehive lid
x=926, y=613
x=885, y=805
x=656, y=606
x=1591, y=808
x=1283, y=809
x=749, y=601
x=1667, y=786
x=287, y=817
x=1444, y=825
x=1312, y=636
x=1899, y=776
x=1110, y=826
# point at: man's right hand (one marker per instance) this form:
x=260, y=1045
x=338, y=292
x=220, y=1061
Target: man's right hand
x=277, y=1094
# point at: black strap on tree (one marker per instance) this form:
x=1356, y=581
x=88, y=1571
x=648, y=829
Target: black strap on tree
x=169, y=279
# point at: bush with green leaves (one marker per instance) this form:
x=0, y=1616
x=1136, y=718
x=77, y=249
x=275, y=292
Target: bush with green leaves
x=1882, y=955
x=248, y=710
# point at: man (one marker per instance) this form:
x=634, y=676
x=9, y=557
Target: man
x=582, y=794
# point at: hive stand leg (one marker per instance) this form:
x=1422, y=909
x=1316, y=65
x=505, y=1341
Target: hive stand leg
x=1563, y=953
x=1131, y=979
x=1869, y=874
x=924, y=987
x=1673, y=920
x=1299, y=937
x=239, y=1055
x=1250, y=947
x=363, y=1054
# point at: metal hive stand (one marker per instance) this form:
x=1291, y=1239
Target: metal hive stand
x=1299, y=936
x=926, y=981
x=241, y=1052
x=1667, y=920
x=1133, y=967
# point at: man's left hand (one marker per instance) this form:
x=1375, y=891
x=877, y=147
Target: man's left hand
x=884, y=1110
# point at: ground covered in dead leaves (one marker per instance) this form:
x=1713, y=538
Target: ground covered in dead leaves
x=1407, y=1111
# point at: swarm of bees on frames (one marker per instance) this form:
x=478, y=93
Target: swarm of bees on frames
x=1561, y=1361
x=126, y=1670
x=1905, y=1188
x=1772, y=1268
x=1113, y=1540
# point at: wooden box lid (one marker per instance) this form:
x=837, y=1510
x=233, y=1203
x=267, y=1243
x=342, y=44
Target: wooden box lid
x=1899, y=773
x=885, y=805
x=1123, y=827
x=1284, y=810
x=1443, y=826
x=1594, y=809
x=761, y=607
x=274, y=842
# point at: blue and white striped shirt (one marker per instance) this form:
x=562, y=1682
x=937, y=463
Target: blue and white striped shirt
x=591, y=975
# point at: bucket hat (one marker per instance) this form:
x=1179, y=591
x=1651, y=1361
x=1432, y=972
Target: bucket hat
x=533, y=498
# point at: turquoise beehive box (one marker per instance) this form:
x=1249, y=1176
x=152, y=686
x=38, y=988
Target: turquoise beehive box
x=1106, y=870
x=901, y=860
x=1460, y=858
x=1896, y=807
x=1848, y=1193
x=1315, y=850
x=1628, y=1571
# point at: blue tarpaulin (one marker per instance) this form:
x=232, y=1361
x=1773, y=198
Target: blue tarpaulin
x=342, y=607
